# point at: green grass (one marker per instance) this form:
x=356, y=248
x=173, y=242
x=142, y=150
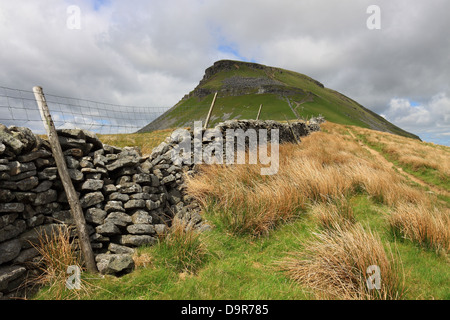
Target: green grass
x=335, y=106
x=429, y=175
x=427, y=274
x=146, y=141
x=236, y=267
x=274, y=108
x=240, y=107
x=245, y=267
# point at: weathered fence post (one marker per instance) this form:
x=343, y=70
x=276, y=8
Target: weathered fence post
x=72, y=197
x=210, y=111
x=259, y=112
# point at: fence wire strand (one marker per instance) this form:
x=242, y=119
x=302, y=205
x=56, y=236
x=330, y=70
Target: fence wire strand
x=19, y=108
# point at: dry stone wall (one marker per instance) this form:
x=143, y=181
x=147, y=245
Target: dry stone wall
x=129, y=200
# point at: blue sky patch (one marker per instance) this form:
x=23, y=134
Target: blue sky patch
x=435, y=138
x=230, y=49
x=97, y=4
x=414, y=103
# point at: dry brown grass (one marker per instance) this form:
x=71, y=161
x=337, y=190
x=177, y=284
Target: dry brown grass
x=324, y=166
x=142, y=259
x=334, y=264
x=247, y=201
x=411, y=152
x=58, y=252
x=145, y=141
x=335, y=214
x=429, y=227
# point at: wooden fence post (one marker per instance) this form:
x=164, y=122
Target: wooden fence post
x=72, y=197
x=259, y=112
x=210, y=111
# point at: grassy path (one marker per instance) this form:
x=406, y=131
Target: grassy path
x=379, y=157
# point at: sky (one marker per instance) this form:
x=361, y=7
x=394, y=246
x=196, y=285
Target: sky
x=151, y=53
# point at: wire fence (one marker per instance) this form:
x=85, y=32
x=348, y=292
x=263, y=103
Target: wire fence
x=19, y=108
x=184, y=115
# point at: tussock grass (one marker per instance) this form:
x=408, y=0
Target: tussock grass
x=58, y=252
x=429, y=227
x=334, y=214
x=335, y=263
x=244, y=205
x=182, y=248
x=322, y=167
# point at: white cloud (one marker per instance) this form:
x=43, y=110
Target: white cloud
x=431, y=119
x=151, y=53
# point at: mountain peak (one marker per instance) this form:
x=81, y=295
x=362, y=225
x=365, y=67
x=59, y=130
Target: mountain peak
x=227, y=65
x=235, y=65
x=243, y=86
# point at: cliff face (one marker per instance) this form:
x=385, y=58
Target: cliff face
x=227, y=65
x=238, y=85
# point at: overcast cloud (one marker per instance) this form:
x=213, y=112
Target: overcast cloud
x=151, y=53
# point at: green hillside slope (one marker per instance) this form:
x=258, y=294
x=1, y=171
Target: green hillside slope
x=242, y=87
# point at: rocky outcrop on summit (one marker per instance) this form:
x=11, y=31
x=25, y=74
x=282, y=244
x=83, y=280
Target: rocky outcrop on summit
x=228, y=65
x=224, y=65
x=238, y=85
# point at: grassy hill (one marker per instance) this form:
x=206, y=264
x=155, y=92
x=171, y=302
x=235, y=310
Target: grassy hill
x=242, y=87
x=344, y=198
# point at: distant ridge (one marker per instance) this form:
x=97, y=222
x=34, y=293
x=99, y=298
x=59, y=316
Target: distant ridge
x=243, y=86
